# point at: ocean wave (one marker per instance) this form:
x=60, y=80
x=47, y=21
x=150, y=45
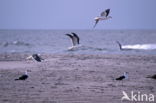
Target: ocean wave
x=82, y=47
x=17, y=43
x=140, y=46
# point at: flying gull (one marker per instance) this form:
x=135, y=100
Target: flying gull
x=152, y=77
x=124, y=76
x=103, y=16
x=35, y=57
x=74, y=39
x=23, y=77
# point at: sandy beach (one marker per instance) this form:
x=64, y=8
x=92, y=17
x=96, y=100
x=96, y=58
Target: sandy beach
x=74, y=78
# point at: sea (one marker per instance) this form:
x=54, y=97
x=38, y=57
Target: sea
x=137, y=42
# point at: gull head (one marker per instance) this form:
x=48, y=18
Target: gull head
x=126, y=75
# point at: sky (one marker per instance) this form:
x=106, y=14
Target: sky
x=76, y=14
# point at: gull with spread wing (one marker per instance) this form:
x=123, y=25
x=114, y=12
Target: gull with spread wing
x=104, y=16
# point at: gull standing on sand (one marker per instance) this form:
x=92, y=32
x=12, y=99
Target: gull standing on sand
x=121, y=78
x=103, y=16
x=23, y=77
x=152, y=77
x=74, y=39
x=35, y=57
x=124, y=76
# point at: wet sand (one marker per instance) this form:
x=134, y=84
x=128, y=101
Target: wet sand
x=74, y=78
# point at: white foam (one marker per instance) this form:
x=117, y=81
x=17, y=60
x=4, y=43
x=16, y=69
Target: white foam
x=140, y=46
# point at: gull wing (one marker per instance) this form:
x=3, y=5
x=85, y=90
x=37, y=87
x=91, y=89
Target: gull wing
x=105, y=13
x=22, y=77
x=121, y=77
x=72, y=39
x=120, y=46
x=96, y=21
x=76, y=38
x=36, y=57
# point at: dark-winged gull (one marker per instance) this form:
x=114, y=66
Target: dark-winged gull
x=103, y=16
x=23, y=77
x=35, y=57
x=74, y=39
x=124, y=76
x=152, y=76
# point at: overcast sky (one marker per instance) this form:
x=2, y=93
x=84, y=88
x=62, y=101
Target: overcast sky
x=76, y=14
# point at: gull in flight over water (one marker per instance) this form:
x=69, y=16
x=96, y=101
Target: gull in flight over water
x=35, y=57
x=104, y=16
x=24, y=76
x=74, y=39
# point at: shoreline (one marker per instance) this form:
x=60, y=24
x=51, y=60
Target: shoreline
x=74, y=78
